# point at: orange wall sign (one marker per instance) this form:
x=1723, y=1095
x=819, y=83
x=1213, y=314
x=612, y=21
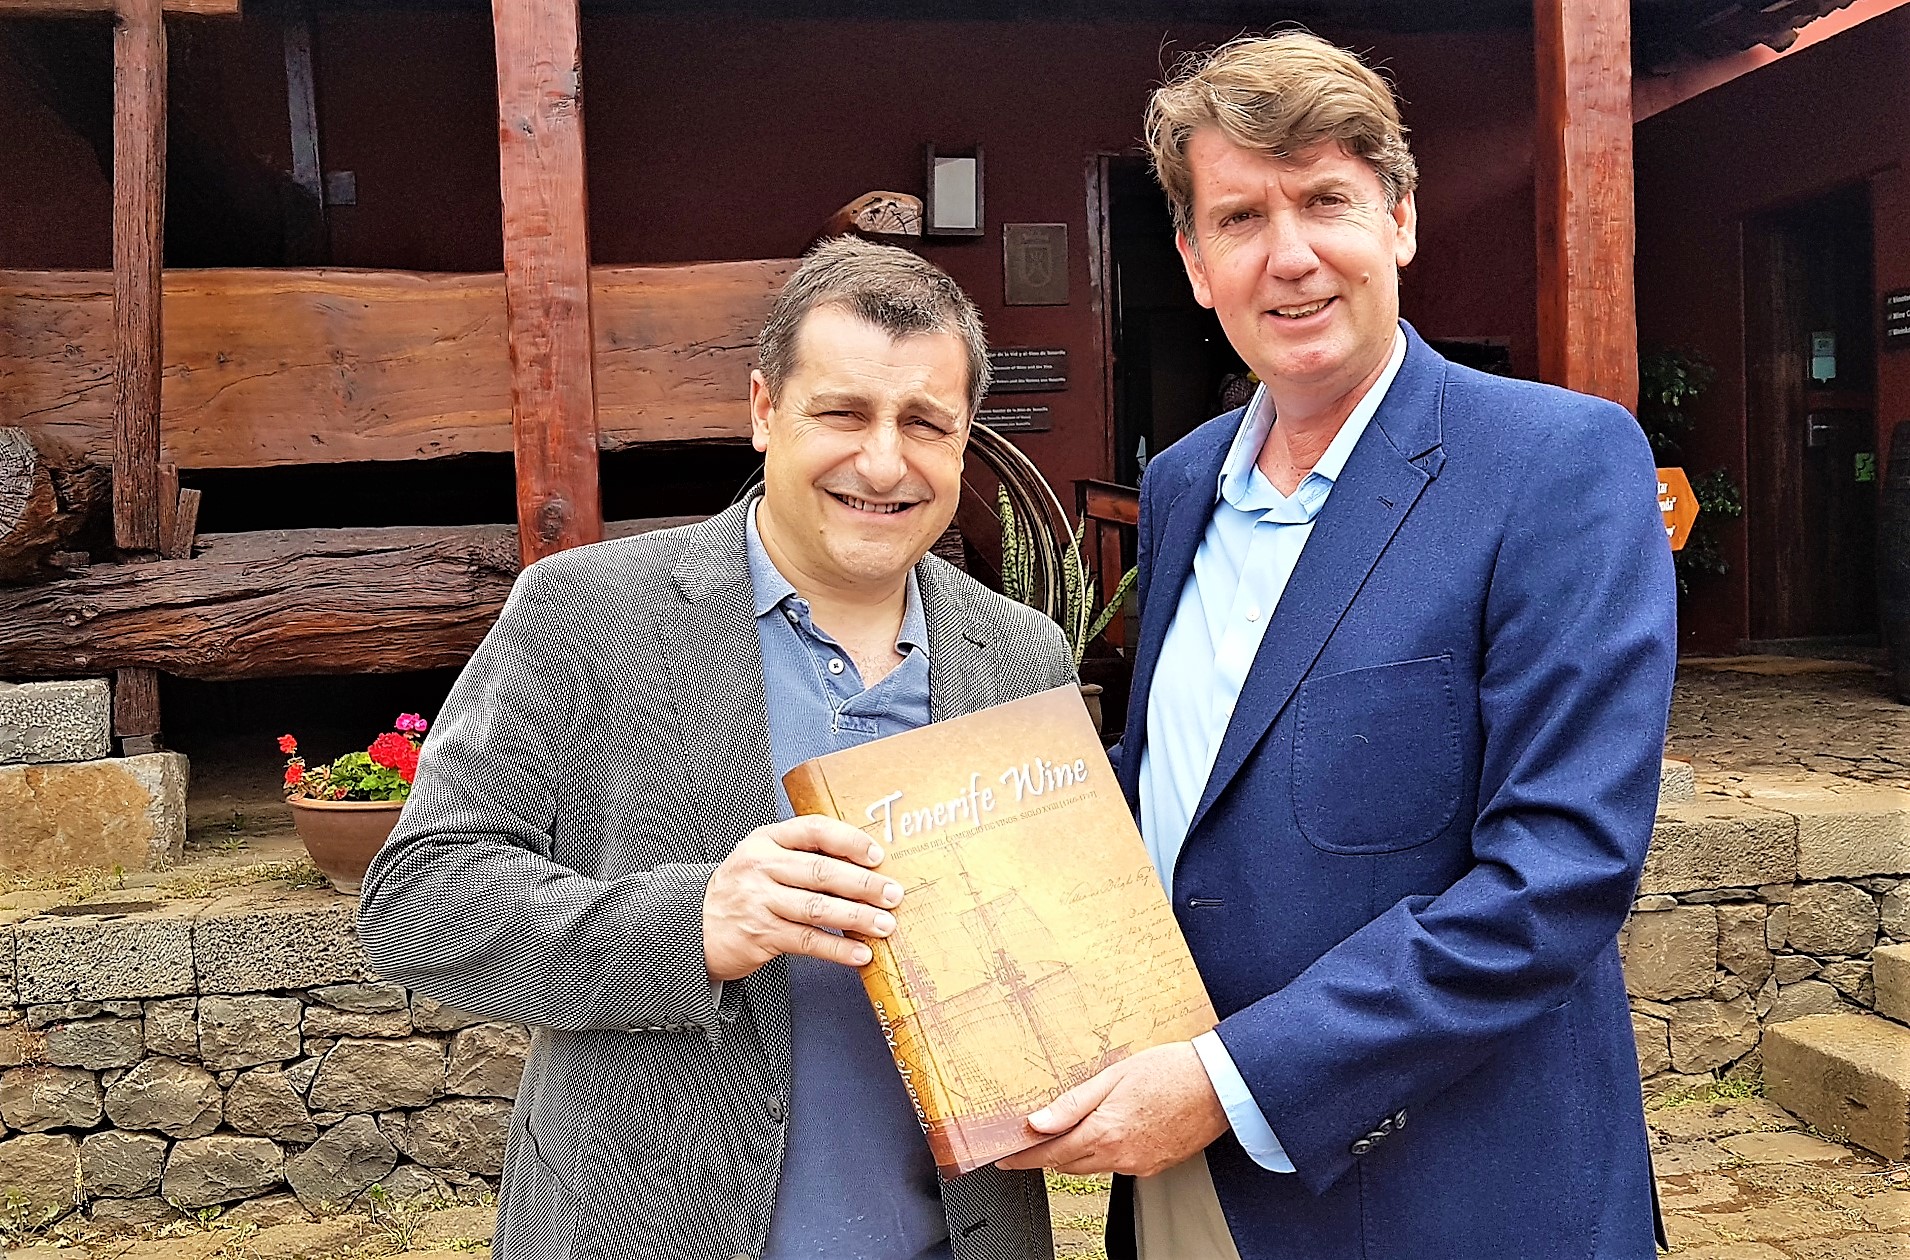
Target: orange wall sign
x=1679, y=505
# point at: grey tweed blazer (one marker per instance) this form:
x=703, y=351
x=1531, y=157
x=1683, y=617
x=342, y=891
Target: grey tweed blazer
x=605, y=747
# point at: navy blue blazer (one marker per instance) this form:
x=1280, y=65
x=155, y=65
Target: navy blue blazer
x=1426, y=824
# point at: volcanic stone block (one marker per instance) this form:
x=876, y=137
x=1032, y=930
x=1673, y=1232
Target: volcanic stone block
x=431, y=1015
x=1654, y=1049
x=1890, y=973
x=172, y=1027
x=1845, y=1074
x=1895, y=918
x=1741, y=947
x=138, y=955
x=323, y=1021
x=1670, y=953
x=263, y=1103
x=360, y=1076
x=487, y=1061
x=221, y=1169
x=95, y=1043
x=1852, y=831
x=1676, y=782
x=246, y=944
x=364, y=999
x=41, y=1173
x=178, y=1099
x=39, y=1098
x=239, y=1032
x=125, y=812
x=1707, y=1034
x=1832, y=918
x=121, y=1165
x=465, y=1134
x=1719, y=842
x=1806, y=997
x=42, y=722
x=335, y=1169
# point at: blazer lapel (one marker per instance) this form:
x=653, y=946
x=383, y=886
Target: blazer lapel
x=1394, y=461
x=714, y=662
x=1189, y=507
x=962, y=676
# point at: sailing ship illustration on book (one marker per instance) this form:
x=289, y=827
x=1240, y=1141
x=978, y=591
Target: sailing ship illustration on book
x=1034, y=945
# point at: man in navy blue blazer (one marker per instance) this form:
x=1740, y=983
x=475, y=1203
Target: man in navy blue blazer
x=1406, y=653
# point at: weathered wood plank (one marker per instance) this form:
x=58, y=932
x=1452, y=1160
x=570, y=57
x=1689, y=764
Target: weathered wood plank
x=273, y=603
x=68, y=8
x=1588, y=320
x=547, y=272
x=270, y=367
x=136, y=709
x=139, y=219
x=49, y=503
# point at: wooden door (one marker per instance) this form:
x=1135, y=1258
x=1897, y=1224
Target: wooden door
x=1810, y=407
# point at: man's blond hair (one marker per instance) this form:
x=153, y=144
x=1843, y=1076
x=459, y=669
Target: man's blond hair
x=1278, y=95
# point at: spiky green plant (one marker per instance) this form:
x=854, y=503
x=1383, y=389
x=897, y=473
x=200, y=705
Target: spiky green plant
x=1078, y=619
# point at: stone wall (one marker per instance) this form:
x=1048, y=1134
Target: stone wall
x=231, y=1054
x=1761, y=905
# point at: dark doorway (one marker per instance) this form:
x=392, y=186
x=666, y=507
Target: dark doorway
x=1173, y=366
x=1810, y=401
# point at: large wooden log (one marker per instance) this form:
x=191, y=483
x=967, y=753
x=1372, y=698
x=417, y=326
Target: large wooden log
x=49, y=503
x=139, y=217
x=1588, y=318
x=281, y=602
x=540, y=127
x=270, y=367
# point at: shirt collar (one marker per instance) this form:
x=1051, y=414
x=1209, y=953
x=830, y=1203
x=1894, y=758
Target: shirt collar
x=773, y=591
x=1240, y=476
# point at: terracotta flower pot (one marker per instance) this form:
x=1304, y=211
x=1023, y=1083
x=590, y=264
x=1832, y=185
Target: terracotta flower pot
x=344, y=836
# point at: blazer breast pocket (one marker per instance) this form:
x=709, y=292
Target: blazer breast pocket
x=1376, y=756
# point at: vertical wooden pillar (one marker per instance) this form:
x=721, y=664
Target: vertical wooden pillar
x=139, y=229
x=1588, y=317
x=139, y=218
x=547, y=273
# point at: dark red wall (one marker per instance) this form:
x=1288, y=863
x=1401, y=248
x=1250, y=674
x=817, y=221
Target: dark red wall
x=712, y=139
x=1831, y=115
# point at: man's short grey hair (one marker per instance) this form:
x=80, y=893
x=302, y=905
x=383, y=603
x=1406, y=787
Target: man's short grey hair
x=901, y=293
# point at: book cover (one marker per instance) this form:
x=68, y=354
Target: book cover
x=1034, y=945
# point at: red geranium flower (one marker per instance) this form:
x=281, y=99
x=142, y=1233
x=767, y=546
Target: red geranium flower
x=287, y=745
x=391, y=749
x=293, y=773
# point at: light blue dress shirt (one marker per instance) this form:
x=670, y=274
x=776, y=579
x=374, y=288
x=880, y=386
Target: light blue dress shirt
x=1252, y=543
x=857, y=1176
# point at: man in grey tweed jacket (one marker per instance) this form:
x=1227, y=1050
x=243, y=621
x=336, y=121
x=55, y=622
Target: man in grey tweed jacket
x=592, y=846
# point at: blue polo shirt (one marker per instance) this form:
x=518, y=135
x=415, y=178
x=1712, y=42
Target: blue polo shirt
x=858, y=1182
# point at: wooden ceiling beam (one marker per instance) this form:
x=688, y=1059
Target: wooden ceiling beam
x=76, y=8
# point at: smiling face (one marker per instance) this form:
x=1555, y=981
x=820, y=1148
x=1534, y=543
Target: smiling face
x=862, y=453
x=1300, y=259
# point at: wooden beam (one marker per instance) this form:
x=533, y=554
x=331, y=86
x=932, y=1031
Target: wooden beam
x=71, y=8
x=49, y=502
x=136, y=710
x=1588, y=320
x=273, y=367
x=547, y=272
x=306, y=238
x=139, y=219
x=279, y=602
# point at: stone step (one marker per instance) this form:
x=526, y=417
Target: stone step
x=1849, y=1075
x=1676, y=782
x=1890, y=973
x=1777, y=830
x=45, y=722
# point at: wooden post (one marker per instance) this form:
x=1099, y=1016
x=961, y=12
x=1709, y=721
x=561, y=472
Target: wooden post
x=139, y=217
x=1588, y=319
x=547, y=273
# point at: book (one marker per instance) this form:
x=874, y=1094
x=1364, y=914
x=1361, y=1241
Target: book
x=1034, y=945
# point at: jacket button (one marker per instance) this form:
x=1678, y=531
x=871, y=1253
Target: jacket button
x=1361, y=1147
x=776, y=1109
x=1399, y=1119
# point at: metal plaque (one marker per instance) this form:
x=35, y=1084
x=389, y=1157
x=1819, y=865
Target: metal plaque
x=1018, y=371
x=1035, y=264
x=1015, y=419
x=1896, y=320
